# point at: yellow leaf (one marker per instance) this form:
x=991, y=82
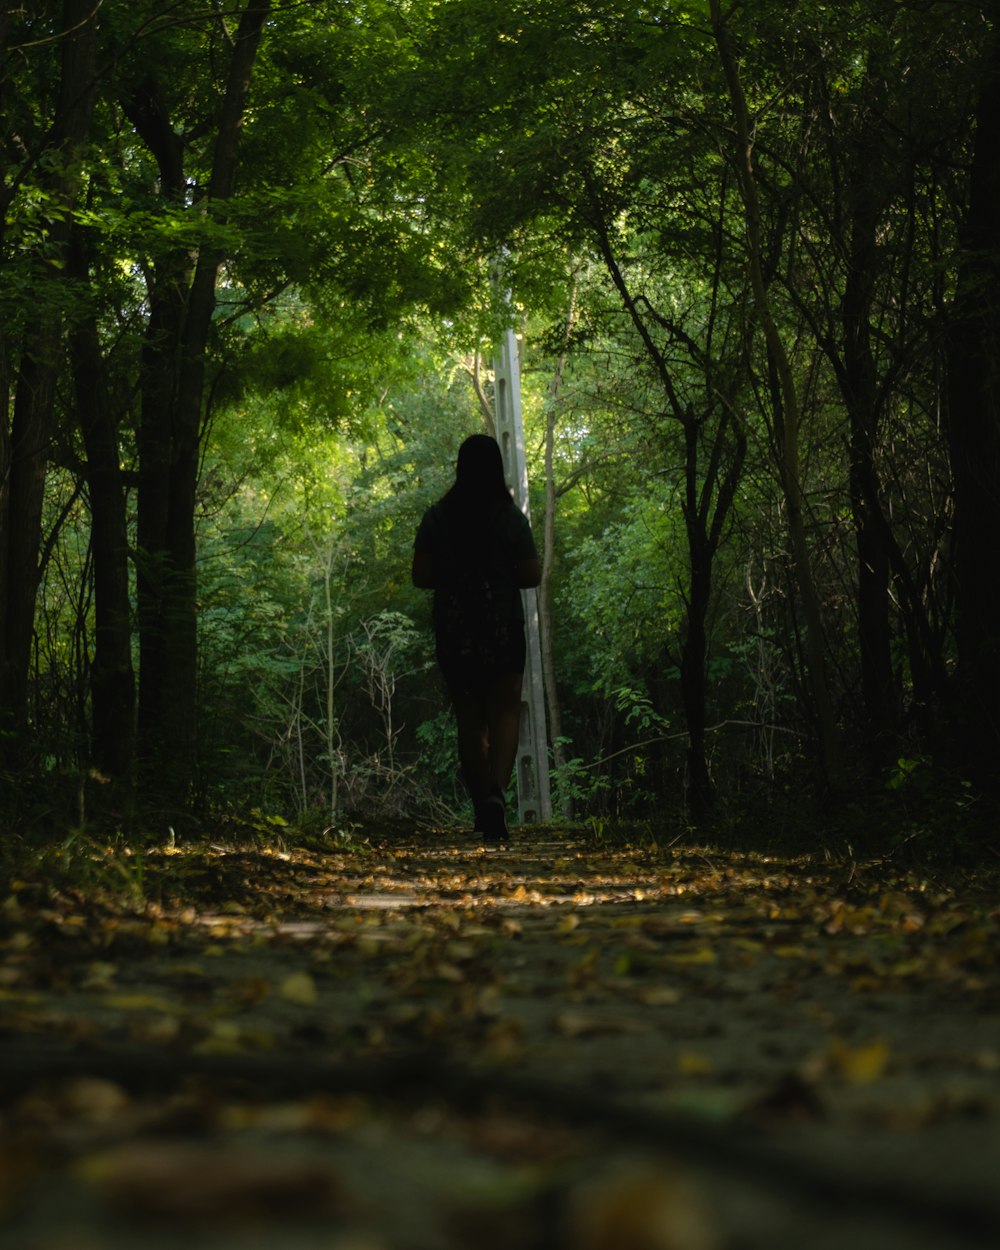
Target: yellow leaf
x=660, y=996
x=155, y=1031
x=299, y=988
x=654, y=1207
x=96, y=1100
x=690, y=1063
x=27, y=998
x=908, y=968
x=98, y=968
x=448, y=972
x=504, y=1040
x=188, y=970
x=225, y=1039
x=138, y=1002
x=460, y=951
x=703, y=955
x=860, y=1065
x=574, y=1024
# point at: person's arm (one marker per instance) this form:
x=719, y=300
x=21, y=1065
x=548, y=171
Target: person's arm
x=529, y=572
x=527, y=566
x=423, y=570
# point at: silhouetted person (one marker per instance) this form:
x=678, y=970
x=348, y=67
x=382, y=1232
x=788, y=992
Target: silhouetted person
x=475, y=549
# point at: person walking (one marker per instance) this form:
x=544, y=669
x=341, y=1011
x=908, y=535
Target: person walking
x=474, y=548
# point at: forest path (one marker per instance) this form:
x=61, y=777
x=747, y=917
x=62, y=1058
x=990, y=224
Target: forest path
x=423, y=1045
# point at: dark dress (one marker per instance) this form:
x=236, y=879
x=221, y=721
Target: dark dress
x=478, y=612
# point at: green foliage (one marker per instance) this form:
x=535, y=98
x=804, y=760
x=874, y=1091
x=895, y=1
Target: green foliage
x=389, y=154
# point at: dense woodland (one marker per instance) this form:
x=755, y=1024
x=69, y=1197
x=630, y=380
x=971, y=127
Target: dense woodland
x=249, y=296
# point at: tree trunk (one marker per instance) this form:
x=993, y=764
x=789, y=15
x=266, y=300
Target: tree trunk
x=167, y=283
x=548, y=563
x=112, y=679
x=694, y=649
x=709, y=495
x=28, y=448
x=859, y=384
x=182, y=306
x=788, y=406
x=974, y=439
x=29, y=452
x=710, y=491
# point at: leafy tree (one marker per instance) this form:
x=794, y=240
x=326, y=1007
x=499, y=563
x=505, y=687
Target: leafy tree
x=48, y=132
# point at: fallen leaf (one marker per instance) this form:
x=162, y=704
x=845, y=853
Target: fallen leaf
x=691, y=1063
x=139, y=1002
x=584, y=1024
x=860, y=1065
x=643, y=1207
x=702, y=955
x=659, y=996
x=168, y=1180
x=299, y=989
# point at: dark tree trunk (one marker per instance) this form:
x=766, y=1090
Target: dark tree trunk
x=112, y=679
x=694, y=681
x=29, y=452
x=26, y=454
x=786, y=402
x=974, y=439
x=182, y=303
x=5, y=457
x=859, y=383
x=710, y=489
x=694, y=650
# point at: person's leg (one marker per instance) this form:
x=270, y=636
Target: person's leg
x=503, y=721
x=471, y=727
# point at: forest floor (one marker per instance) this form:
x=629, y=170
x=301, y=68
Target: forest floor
x=422, y=1045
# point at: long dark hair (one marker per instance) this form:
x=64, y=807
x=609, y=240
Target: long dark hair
x=479, y=489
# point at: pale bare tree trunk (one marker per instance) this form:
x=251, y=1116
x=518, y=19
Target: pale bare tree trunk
x=788, y=426
x=332, y=737
x=476, y=377
x=548, y=549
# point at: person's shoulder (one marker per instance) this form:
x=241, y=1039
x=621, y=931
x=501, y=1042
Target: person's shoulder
x=515, y=520
x=430, y=524
x=435, y=514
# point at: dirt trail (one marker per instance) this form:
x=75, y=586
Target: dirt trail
x=425, y=1046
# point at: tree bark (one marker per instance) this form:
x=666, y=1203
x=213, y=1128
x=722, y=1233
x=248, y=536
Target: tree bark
x=694, y=650
x=112, y=677
x=859, y=384
x=26, y=453
x=548, y=563
x=788, y=405
x=182, y=305
x=974, y=440
x=710, y=490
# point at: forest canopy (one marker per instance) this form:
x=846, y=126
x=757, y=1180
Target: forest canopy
x=249, y=310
